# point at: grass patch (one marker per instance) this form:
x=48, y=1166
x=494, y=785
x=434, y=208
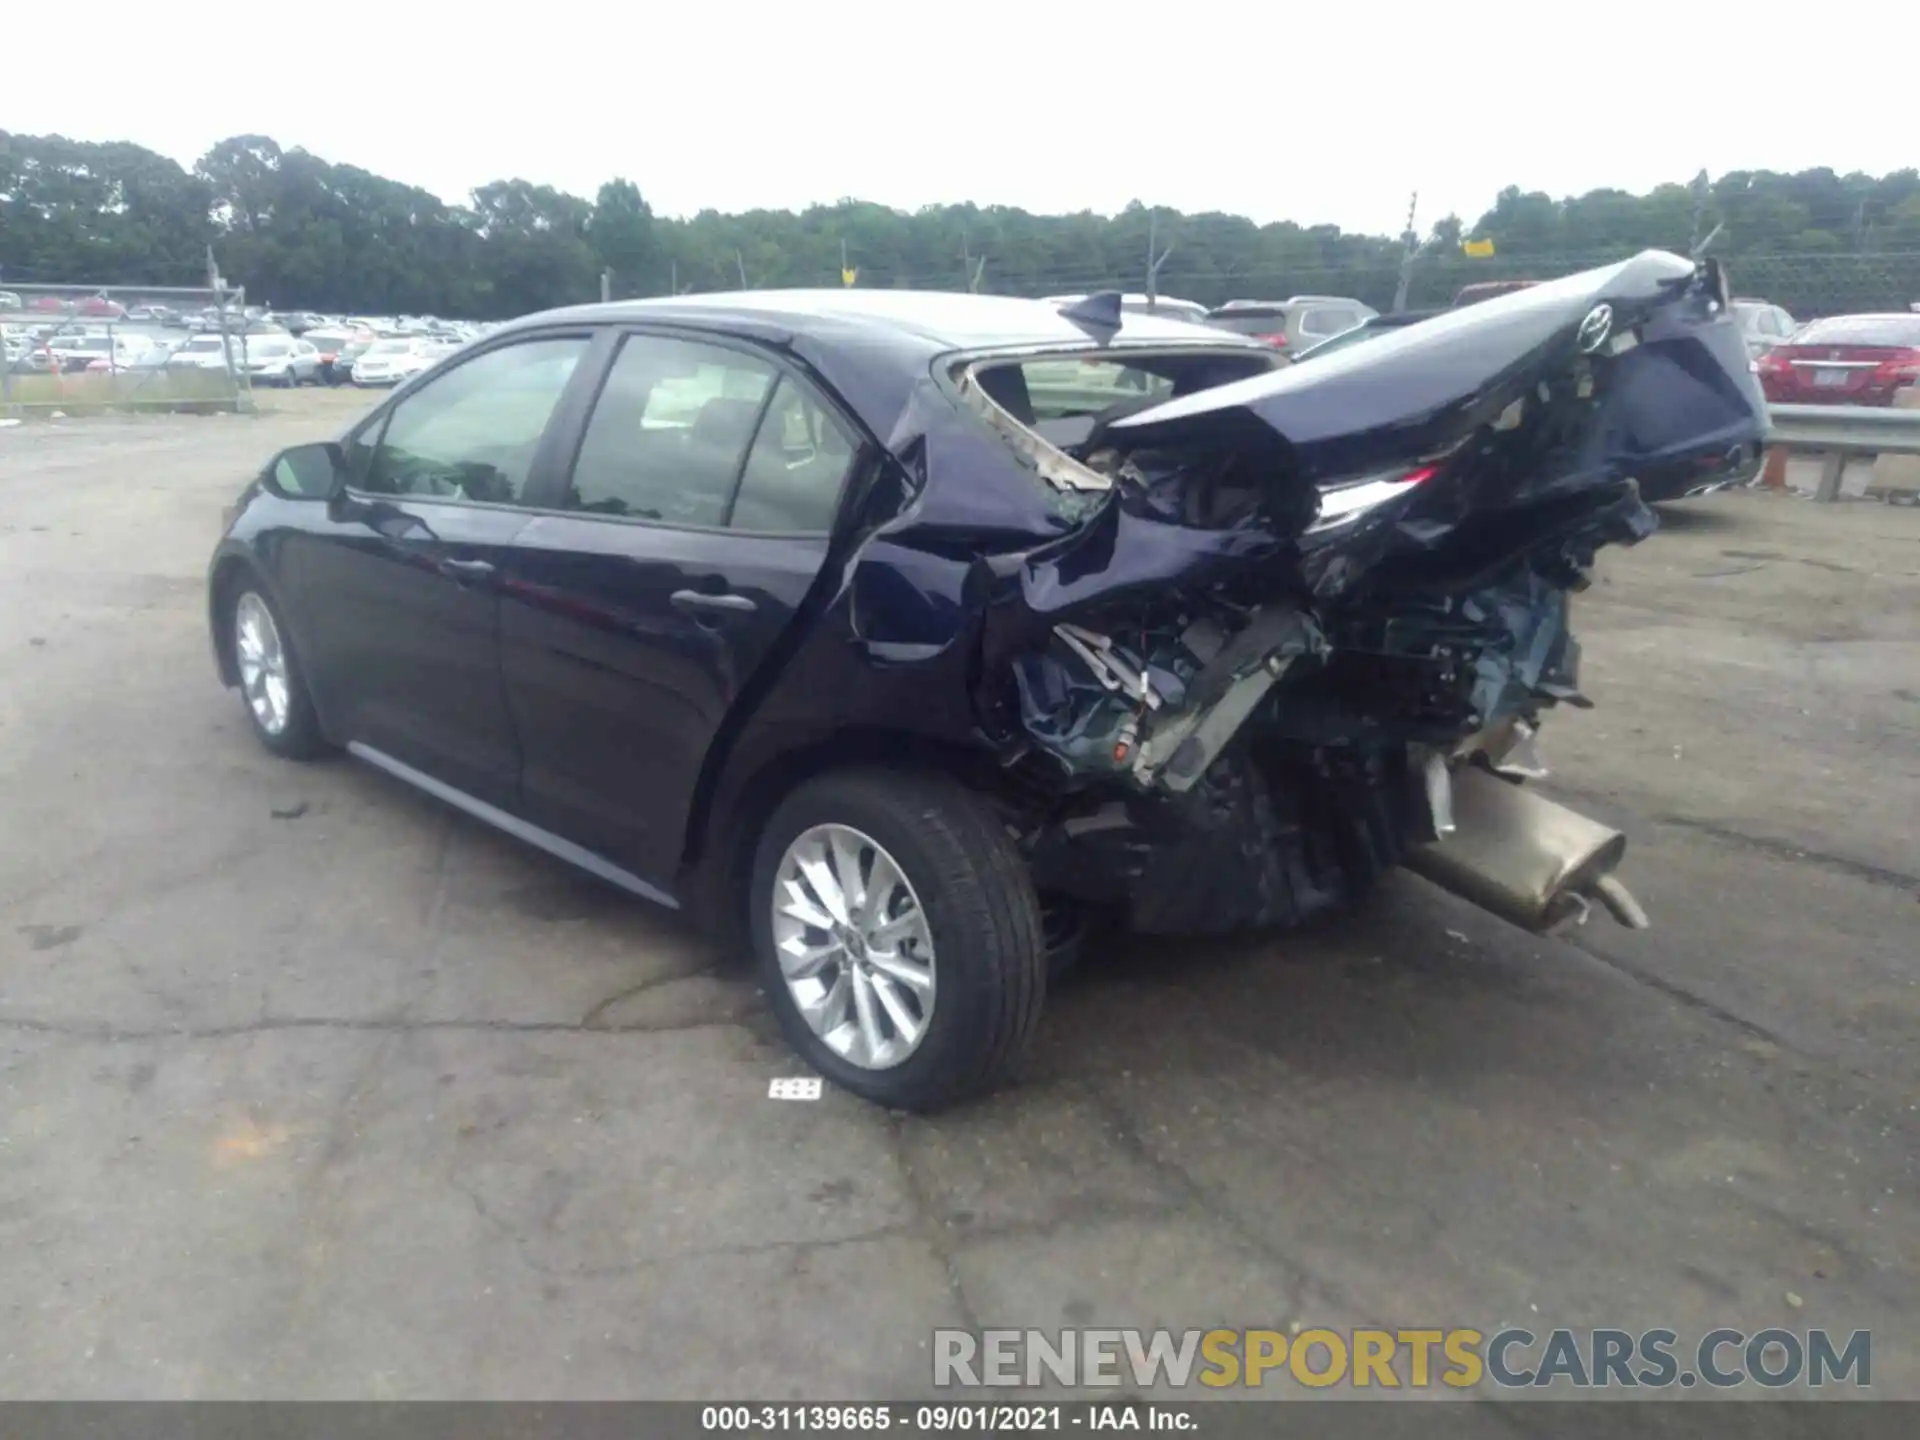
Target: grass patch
x=189, y=390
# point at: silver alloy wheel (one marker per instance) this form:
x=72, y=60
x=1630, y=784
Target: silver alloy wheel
x=263, y=663
x=854, y=946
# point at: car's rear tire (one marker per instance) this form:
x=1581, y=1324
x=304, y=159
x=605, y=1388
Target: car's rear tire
x=272, y=685
x=929, y=911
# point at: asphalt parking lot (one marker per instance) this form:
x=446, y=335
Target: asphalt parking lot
x=310, y=1087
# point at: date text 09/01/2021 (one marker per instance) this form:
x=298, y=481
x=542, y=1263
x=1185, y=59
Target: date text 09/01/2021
x=914, y=1419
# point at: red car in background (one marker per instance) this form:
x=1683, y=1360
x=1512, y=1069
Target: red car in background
x=1844, y=360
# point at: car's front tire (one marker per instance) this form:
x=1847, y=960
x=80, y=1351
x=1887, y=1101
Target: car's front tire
x=898, y=936
x=272, y=684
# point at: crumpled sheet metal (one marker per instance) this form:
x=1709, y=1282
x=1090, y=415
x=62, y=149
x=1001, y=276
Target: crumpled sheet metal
x=1080, y=722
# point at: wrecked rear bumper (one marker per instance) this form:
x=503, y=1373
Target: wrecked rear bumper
x=1270, y=838
x=1238, y=648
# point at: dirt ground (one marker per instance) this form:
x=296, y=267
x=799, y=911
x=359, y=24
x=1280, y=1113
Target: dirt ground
x=310, y=1087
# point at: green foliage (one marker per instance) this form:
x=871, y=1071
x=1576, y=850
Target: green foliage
x=297, y=230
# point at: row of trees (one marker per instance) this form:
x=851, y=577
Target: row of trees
x=298, y=230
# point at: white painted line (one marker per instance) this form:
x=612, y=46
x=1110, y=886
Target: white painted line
x=800, y=1087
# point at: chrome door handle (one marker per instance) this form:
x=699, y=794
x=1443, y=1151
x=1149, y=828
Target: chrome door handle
x=467, y=569
x=700, y=600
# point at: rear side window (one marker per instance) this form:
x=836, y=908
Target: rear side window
x=1326, y=320
x=1249, y=322
x=702, y=435
x=670, y=432
x=799, y=461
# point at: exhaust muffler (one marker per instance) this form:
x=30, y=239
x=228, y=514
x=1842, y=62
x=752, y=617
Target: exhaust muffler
x=1523, y=857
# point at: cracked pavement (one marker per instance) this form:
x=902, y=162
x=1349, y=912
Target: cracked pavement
x=310, y=1087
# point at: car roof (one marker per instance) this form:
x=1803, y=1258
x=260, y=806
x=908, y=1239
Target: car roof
x=875, y=348
x=932, y=320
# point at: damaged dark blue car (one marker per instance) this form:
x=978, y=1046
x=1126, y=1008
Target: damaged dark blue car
x=907, y=637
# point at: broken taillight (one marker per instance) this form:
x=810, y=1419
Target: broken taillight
x=1346, y=502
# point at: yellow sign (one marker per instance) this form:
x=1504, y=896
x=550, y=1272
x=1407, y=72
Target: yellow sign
x=1479, y=249
x=847, y=277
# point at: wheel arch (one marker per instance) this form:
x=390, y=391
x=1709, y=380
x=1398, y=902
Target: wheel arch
x=724, y=833
x=236, y=566
x=228, y=572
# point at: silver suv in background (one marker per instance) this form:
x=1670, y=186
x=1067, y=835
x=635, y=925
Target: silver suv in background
x=1291, y=324
x=280, y=360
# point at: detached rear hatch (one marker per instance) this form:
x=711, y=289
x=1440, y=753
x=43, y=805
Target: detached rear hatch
x=1618, y=373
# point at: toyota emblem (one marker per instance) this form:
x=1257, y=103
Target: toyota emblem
x=1595, y=329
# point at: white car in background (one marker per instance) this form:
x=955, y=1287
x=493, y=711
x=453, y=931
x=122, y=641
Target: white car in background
x=99, y=351
x=390, y=361
x=206, y=352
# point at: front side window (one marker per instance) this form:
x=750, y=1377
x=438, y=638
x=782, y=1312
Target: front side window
x=471, y=434
x=669, y=434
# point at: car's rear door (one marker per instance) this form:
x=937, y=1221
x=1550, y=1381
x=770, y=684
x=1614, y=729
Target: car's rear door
x=672, y=555
x=396, y=599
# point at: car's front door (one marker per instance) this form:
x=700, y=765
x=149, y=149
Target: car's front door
x=400, y=591
x=694, y=521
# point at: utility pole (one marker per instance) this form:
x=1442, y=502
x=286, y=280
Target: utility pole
x=740, y=260
x=1700, y=185
x=1156, y=257
x=673, y=277
x=219, y=288
x=1412, y=249
x=606, y=286
x=970, y=268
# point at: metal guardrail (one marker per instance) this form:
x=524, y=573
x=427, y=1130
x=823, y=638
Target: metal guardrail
x=1838, y=431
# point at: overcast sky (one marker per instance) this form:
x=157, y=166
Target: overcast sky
x=1325, y=113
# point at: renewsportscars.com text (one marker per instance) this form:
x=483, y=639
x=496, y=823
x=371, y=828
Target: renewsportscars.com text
x=1416, y=1359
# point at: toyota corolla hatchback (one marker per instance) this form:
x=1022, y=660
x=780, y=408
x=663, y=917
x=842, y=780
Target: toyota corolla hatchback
x=907, y=636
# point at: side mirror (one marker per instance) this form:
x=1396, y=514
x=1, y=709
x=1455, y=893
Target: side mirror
x=307, y=472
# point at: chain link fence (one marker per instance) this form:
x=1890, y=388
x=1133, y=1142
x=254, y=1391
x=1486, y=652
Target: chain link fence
x=1808, y=286
x=78, y=348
